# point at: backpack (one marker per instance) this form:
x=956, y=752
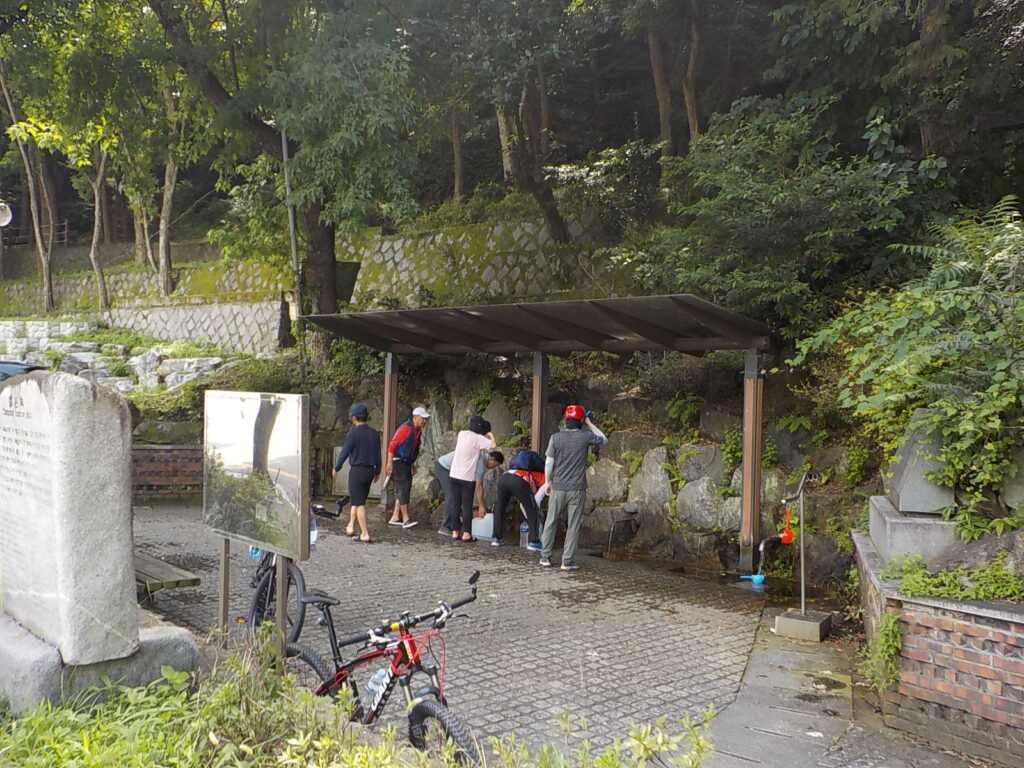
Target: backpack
x=526, y=459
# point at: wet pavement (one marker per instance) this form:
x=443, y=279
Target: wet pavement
x=609, y=644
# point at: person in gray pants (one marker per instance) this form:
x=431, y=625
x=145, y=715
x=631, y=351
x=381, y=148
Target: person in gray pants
x=566, y=470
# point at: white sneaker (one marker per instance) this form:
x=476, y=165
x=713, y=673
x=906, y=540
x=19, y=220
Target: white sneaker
x=410, y=524
x=394, y=522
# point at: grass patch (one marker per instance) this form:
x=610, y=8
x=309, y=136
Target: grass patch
x=989, y=582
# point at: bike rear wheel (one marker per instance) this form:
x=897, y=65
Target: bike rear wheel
x=264, y=602
x=435, y=728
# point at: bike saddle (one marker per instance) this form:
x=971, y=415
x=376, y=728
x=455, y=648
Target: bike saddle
x=314, y=596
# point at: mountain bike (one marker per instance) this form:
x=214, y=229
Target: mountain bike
x=263, y=606
x=432, y=726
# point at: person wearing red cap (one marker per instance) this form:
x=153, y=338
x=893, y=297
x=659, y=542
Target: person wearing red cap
x=566, y=469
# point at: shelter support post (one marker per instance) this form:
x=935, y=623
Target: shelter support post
x=224, y=585
x=753, y=407
x=390, y=407
x=540, y=400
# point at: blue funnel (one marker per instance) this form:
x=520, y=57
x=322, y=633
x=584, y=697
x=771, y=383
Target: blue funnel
x=757, y=578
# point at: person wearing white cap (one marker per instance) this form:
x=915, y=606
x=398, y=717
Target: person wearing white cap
x=403, y=450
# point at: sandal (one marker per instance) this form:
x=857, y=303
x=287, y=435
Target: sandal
x=361, y=540
x=350, y=534
x=470, y=540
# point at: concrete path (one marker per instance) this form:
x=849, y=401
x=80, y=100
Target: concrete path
x=607, y=645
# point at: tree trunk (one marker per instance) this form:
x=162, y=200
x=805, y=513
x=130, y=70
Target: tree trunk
x=691, y=74
x=505, y=138
x=529, y=125
x=932, y=23
x=164, y=241
x=662, y=90
x=97, y=221
x=42, y=252
x=458, y=156
x=138, y=244
x=530, y=178
x=104, y=203
x=167, y=204
x=321, y=276
x=545, y=107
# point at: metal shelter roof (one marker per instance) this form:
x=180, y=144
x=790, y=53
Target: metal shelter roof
x=680, y=322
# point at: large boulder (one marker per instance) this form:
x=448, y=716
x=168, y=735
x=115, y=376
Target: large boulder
x=425, y=491
x=651, y=489
x=67, y=347
x=632, y=408
x=329, y=407
x=76, y=362
x=699, y=506
x=826, y=565
x=1013, y=489
x=607, y=480
x=501, y=417
x=635, y=442
x=773, y=486
x=701, y=461
x=792, y=446
x=653, y=533
x=188, y=365
x=608, y=528
x=175, y=380
x=714, y=423
x=146, y=365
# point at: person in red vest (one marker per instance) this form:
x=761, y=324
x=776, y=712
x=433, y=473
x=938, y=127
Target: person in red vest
x=403, y=450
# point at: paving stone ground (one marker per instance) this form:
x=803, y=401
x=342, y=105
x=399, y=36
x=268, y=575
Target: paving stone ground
x=610, y=643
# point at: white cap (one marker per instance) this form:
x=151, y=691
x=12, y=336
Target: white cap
x=421, y=412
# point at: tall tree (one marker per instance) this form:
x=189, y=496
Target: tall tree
x=326, y=72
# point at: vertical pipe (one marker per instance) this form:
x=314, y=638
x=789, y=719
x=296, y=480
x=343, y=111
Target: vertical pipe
x=390, y=412
x=225, y=570
x=540, y=400
x=803, y=572
x=750, y=522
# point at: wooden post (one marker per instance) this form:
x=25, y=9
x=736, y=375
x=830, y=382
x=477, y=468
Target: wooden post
x=540, y=400
x=390, y=414
x=281, y=605
x=753, y=397
x=225, y=581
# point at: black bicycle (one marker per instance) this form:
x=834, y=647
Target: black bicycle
x=432, y=726
x=263, y=606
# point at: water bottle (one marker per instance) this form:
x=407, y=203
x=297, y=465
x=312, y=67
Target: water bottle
x=524, y=535
x=376, y=683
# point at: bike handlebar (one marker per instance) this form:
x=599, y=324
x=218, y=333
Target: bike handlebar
x=444, y=610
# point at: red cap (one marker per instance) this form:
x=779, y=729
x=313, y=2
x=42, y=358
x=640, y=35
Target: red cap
x=575, y=412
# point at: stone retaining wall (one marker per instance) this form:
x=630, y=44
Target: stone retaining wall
x=961, y=667
x=166, y=471
x=502, y=260
x=247, y=327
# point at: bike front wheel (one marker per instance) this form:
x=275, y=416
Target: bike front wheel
x=435, y=728
x=264, y=602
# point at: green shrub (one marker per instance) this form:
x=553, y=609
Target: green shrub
x=990, y=582
x=879, y=658
x=951, y=343
x=246, y=714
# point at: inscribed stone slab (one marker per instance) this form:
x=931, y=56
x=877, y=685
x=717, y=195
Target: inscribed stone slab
x=65, y=512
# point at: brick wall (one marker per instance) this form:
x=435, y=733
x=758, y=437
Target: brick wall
x=167, y=471
x=961, y=668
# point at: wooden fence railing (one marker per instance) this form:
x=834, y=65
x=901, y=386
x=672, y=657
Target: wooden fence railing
x=24, y=235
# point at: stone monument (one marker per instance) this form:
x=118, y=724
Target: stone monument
x=67, y=582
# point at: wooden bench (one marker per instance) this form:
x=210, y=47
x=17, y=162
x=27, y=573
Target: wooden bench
x=153, y=574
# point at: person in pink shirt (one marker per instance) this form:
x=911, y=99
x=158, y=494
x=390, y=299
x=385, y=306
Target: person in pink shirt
x=462, y=475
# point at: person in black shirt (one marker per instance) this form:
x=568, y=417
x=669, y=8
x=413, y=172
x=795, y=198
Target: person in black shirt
x=362, y=450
